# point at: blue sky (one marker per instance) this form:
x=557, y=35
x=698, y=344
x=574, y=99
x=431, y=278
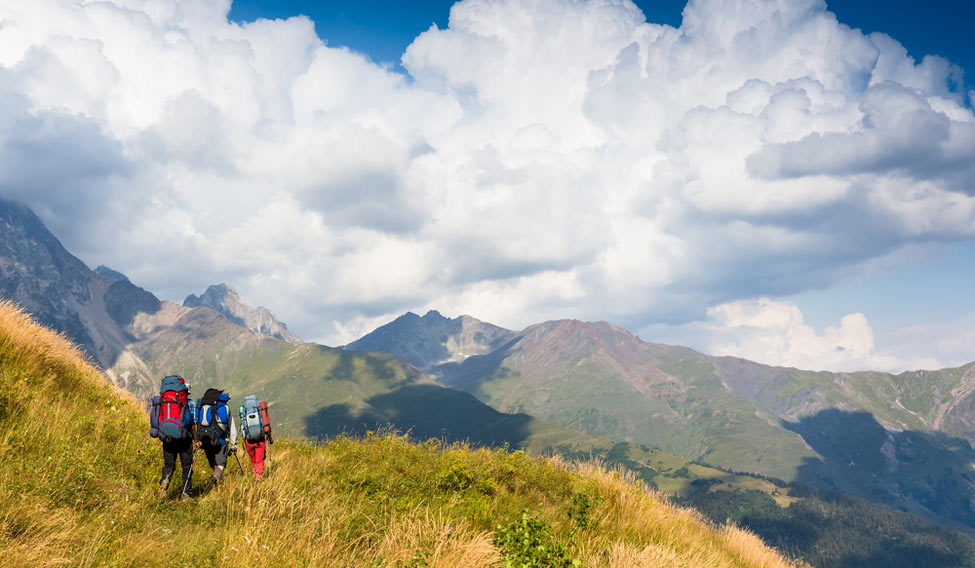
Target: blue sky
x=383, y=28
x=761, y=182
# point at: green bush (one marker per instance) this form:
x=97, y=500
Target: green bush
x=487, y=486
x=580, y=511
x=529, y=543
x=456, y=478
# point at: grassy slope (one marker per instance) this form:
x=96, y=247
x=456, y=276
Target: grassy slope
x=90, y=499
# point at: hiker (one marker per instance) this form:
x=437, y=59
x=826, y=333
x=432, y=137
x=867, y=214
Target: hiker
x=255, y=428
x=215, y=431
x=171, y=419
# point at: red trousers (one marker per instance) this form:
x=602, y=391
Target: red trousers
x=256, y=452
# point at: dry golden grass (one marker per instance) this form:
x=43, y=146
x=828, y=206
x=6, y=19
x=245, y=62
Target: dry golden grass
x=448, y=544
x=78, y=487
x=639, y=528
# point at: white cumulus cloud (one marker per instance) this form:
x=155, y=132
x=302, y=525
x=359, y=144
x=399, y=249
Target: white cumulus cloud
x=556, y=158
x=774, y=333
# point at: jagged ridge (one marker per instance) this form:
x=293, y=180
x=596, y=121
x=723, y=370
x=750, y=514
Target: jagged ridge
x=433, y=339
x=225, y=299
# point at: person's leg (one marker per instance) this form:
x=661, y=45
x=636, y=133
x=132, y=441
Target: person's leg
x=257, y=464
x=186, y=463
x=211, y=453
x=250, y=448
x=258, y=459
x=220, y=462
x=169, y=464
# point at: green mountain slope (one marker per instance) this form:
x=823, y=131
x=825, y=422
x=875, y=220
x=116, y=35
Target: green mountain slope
x=862, y=433
x=599, y=379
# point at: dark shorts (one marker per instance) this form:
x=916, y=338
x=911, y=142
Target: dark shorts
x=216, y=455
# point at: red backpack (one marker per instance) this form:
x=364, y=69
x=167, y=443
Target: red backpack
x=265, y=422
x=173, y=396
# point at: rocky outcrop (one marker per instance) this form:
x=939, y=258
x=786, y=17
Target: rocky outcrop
x=433, y=339
x=109, y=274
x=224, y=299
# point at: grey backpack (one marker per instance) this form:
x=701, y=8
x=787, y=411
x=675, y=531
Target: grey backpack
x=250, y=419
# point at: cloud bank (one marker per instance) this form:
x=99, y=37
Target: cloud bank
x=559, y=158
x=775, y=333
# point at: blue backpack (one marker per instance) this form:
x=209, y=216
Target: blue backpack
x=212, y=417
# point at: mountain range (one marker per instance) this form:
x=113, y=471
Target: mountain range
x=580, y=388
x=904, y=440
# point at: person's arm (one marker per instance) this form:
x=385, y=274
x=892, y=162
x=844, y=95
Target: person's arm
x=233, y=430
x=191, y=406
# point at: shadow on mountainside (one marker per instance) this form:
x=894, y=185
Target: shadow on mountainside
x=924, y=472
x=425, y=411
x=345, y=368
x=471, y=372
x=124, y=300
x=831, y=530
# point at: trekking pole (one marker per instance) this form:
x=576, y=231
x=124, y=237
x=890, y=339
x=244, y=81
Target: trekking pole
x=240, y=467
x=190, y=475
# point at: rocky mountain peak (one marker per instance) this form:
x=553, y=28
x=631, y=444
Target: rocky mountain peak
x=36, y=264
x=433, y=339
x=216, y=295
x=93, y=308
x=560, y=331
x=225, y=299
x=109, y=274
